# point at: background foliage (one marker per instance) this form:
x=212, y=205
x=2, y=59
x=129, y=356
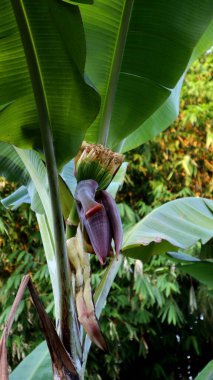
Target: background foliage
x=178, y=162
x=21, y=252
x=155, y=319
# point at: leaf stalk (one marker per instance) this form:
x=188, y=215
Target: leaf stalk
x=66, y=319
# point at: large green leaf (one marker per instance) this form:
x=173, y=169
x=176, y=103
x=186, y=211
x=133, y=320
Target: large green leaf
x=36, y=366
x=53, y=36
x=17, y=198
x=157, y=122
x=142, y=91
x=176, y=224
x=166, y=114
x=206, y=373
x=202, y=271
x=68, y=176
x=204, y=43
x=181, y=257
x=11, y=165
x=13, y=169
x=26, y=168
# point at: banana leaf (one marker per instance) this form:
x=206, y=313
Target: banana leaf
x=44, y=83
x=176, y=225
x=138, y=53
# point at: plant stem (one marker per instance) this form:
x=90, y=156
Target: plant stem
x=114, y=72
x=66, y=322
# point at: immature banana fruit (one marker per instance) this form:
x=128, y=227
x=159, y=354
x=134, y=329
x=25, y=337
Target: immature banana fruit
x=99, y=215
x=80, y=266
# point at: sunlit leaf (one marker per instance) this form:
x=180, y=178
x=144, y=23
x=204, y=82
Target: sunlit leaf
x=17, y=198
x=182, y=257
x=176, y=224
x=142, y=92
x=206, y=373
x=68, y=176
x=36, y=366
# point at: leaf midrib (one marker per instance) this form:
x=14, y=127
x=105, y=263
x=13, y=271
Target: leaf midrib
x=114, y=72
x=148, y=80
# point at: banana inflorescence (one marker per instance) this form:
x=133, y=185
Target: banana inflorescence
x=100, y=223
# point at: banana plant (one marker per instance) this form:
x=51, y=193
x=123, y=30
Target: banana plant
x=81, y=83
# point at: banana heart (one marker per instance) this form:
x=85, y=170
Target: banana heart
x=99, y=215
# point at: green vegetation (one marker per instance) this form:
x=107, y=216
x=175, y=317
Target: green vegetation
x=153, y=315
x=167, y=317
x=109, y=74
x=21, y=253
x=178, y=163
